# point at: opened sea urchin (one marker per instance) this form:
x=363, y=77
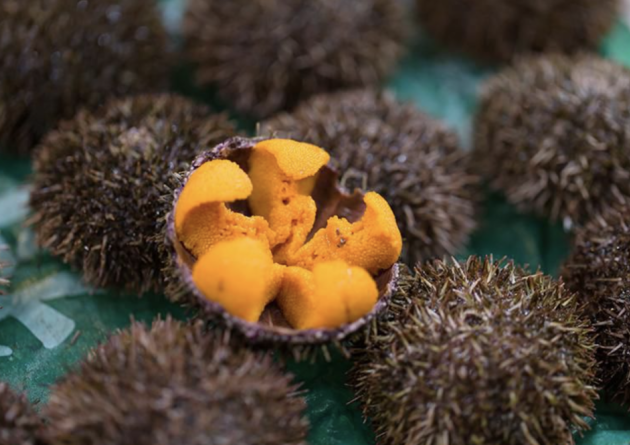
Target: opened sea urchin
x=552, y=133
x=264, y=240
x=19, y=424
x=499, y=30
x=59, y=55
x=399, y=152
x=266, y=56
x=100, y=177
x=175, y=384
x=478, y=353
x=599, y=271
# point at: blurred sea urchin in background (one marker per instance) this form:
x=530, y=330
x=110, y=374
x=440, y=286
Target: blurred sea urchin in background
x=59, y=55
x=498, y=30
x=268, y=55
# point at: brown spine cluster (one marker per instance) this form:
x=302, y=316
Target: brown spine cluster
x=599, y=271
x=100, y=178
x=552, y=134
x=175, y=384
x=59, y=55
x=479, y=352
x=19, y=424
x=266, y=56
x=496, y=30
x=392, y=148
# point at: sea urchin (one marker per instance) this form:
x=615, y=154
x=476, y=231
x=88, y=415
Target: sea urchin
x=19, y=424
x=175, y=384
x=392, y=148
x=552, y=133
x=499, y=30
x=599, y=271
x=59, y=55
x=263, y=240
x=477, y=353
x=266, y=56
x=100, y=177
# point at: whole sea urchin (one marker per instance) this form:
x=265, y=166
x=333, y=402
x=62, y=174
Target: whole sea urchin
x=399, y=152
x=174, y=385
x=599, y=271
x=19, y=424
x=552, y=133
x=498, y=30
x=477, y=353
x=291, y=49
x=100, y=177
x=58, y=55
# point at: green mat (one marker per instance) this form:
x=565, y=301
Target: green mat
x=50, y=319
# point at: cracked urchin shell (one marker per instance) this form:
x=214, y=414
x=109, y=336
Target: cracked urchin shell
x=59, y=55
x=272, y=329
x=399, y=152
x=99, y=181
x=19, y=424
x=292, y=48
x=599, y=271
x=477, y=353
x=552, y=133
x=496, y=30
x=175, y=384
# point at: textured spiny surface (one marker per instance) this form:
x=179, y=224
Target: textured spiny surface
x=265, y=56
x=552, y=133
x=58, y=55
x=477, y=353
x=100, y=177
x=394, y=149
x=175, y=384
x=599, y=271
x=19, y=424
x=497, y=30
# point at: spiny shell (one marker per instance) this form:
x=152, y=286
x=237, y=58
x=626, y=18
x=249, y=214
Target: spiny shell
x=59, y=55
x=552, y=133
x=479, y=352
x=19, y=424
x=175, y=384
x=599, y=271
x=498, y=30
x=266, y=56
x=99, y=181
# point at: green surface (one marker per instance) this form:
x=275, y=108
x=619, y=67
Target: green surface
x=439, y=83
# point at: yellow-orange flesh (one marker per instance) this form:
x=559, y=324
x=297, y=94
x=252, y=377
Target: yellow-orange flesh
x=246, y=262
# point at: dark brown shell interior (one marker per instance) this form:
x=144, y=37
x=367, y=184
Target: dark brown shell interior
x=331, y=200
